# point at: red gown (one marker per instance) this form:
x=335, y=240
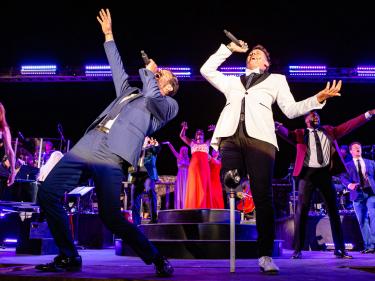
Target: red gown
x=198, y=188
x=216, y=188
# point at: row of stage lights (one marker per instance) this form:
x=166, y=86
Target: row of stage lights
x=186, y=72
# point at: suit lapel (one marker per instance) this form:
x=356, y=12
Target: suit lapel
x=259, y=78
x=243, y=80
x=256, y=80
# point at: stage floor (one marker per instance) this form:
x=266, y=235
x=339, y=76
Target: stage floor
x=103, y=264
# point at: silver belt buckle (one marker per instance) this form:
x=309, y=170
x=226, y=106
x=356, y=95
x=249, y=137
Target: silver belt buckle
x=102, y=129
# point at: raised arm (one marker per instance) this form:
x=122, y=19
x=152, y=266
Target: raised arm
x=348, y=126
x=120, y=77
x=284, y=133
x=183, y=136
x=210, y=72
x=171, y=147
x=293, y=109
x=10, y=155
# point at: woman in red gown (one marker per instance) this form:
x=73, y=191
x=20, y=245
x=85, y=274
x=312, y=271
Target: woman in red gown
x=198, y=189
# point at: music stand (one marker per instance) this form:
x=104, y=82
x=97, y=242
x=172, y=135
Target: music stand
x=77, y=192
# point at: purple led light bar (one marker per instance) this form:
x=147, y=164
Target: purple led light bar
x=307, y=70
x=10, y=240
x=179, y=71
x=38, y=69
x=233, y=70
x=366, y=71
x=98, y=70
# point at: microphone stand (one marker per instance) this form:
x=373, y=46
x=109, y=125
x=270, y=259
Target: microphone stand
x=232, y=243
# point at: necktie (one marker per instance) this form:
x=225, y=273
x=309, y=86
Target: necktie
x=319, y=150
x=361, y=177
x=116, y=109
x=249, y=79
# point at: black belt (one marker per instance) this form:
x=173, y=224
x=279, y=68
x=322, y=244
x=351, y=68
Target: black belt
x=102, y=129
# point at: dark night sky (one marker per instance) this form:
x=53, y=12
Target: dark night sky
x=184, y=33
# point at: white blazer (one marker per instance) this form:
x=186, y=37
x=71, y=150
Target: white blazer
x=258, y=101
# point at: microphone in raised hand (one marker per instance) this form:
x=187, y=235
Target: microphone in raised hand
x=145, y=58
x=235, y=40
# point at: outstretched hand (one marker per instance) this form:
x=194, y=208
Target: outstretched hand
x=184, y=125
x=105, y=21
x=211, y=127
x=329, y=91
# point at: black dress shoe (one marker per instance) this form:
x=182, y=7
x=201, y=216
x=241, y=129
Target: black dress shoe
x=341, y=254
x=297, y=255
x=162, y=267
x=61, y=263
x=368, y=251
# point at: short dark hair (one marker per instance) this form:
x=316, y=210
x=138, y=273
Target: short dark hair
x=174, y=83
x=264, y=50
x=353, y=143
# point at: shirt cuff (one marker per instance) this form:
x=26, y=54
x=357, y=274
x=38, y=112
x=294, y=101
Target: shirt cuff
x=368, y=115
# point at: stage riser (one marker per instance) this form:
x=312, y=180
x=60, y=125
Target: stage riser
x=201, y=249
x=197, y=216
x=198, y=231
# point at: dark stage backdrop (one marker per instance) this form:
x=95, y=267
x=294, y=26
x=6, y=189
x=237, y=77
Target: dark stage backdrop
x=35, y=109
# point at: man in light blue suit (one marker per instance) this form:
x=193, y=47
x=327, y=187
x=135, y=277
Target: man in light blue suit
x=360, y=180
x=115, y=138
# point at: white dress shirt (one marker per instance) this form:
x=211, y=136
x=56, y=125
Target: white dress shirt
x=311, y=159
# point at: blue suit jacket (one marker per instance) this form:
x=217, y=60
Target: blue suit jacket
x=353, y=177
x=142, y=116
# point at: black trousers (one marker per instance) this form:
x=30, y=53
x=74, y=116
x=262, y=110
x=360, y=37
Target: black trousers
x=91, y=157
x=139, y=187
x=309, y=180
x=255, y=158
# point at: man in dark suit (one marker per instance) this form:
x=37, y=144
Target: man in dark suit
x=318, y=158
x=115, y=138
x=360, y=180
x=145, y=178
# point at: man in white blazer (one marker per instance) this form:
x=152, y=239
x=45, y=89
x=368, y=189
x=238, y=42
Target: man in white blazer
x=245, y=132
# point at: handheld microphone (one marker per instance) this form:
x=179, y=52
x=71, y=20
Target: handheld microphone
x=145, y=58
x=232, y=38
x=20, y=135
x=60, y=130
